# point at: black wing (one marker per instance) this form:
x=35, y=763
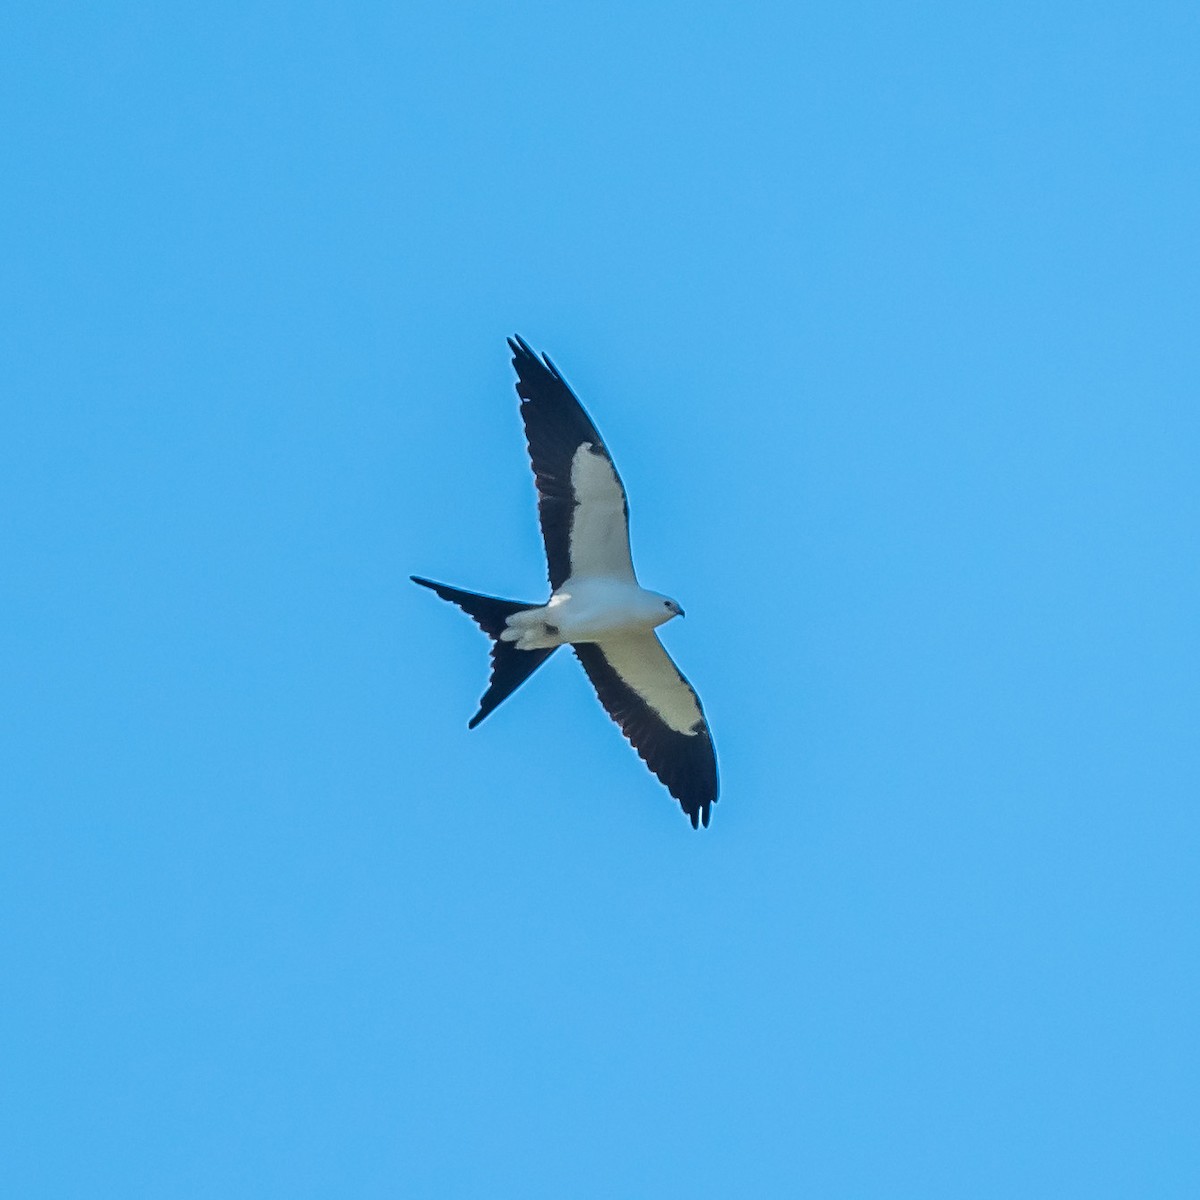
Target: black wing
x=581, y=500
x=660, y=714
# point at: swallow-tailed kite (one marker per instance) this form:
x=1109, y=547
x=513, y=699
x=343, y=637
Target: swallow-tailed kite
x=596, y=605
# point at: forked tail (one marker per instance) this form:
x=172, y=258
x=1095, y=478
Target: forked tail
x=510, y=666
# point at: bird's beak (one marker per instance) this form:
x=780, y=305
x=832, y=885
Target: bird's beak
x=681, y=612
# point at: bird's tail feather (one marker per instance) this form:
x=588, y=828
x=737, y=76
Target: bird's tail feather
x=510, y=666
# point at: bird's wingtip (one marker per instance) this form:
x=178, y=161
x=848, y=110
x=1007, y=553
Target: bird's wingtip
x=525, y=356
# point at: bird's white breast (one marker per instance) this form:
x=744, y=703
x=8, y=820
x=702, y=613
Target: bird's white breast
x=585, y=610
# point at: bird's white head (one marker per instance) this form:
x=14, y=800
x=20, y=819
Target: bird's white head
x=665, y=608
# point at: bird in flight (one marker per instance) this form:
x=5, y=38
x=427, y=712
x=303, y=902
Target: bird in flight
x=596, y=605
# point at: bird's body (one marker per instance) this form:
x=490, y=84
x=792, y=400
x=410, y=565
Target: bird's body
x=596, y=605
x=589, y=610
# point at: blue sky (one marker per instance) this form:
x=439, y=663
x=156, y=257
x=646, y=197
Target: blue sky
x=888, y=315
